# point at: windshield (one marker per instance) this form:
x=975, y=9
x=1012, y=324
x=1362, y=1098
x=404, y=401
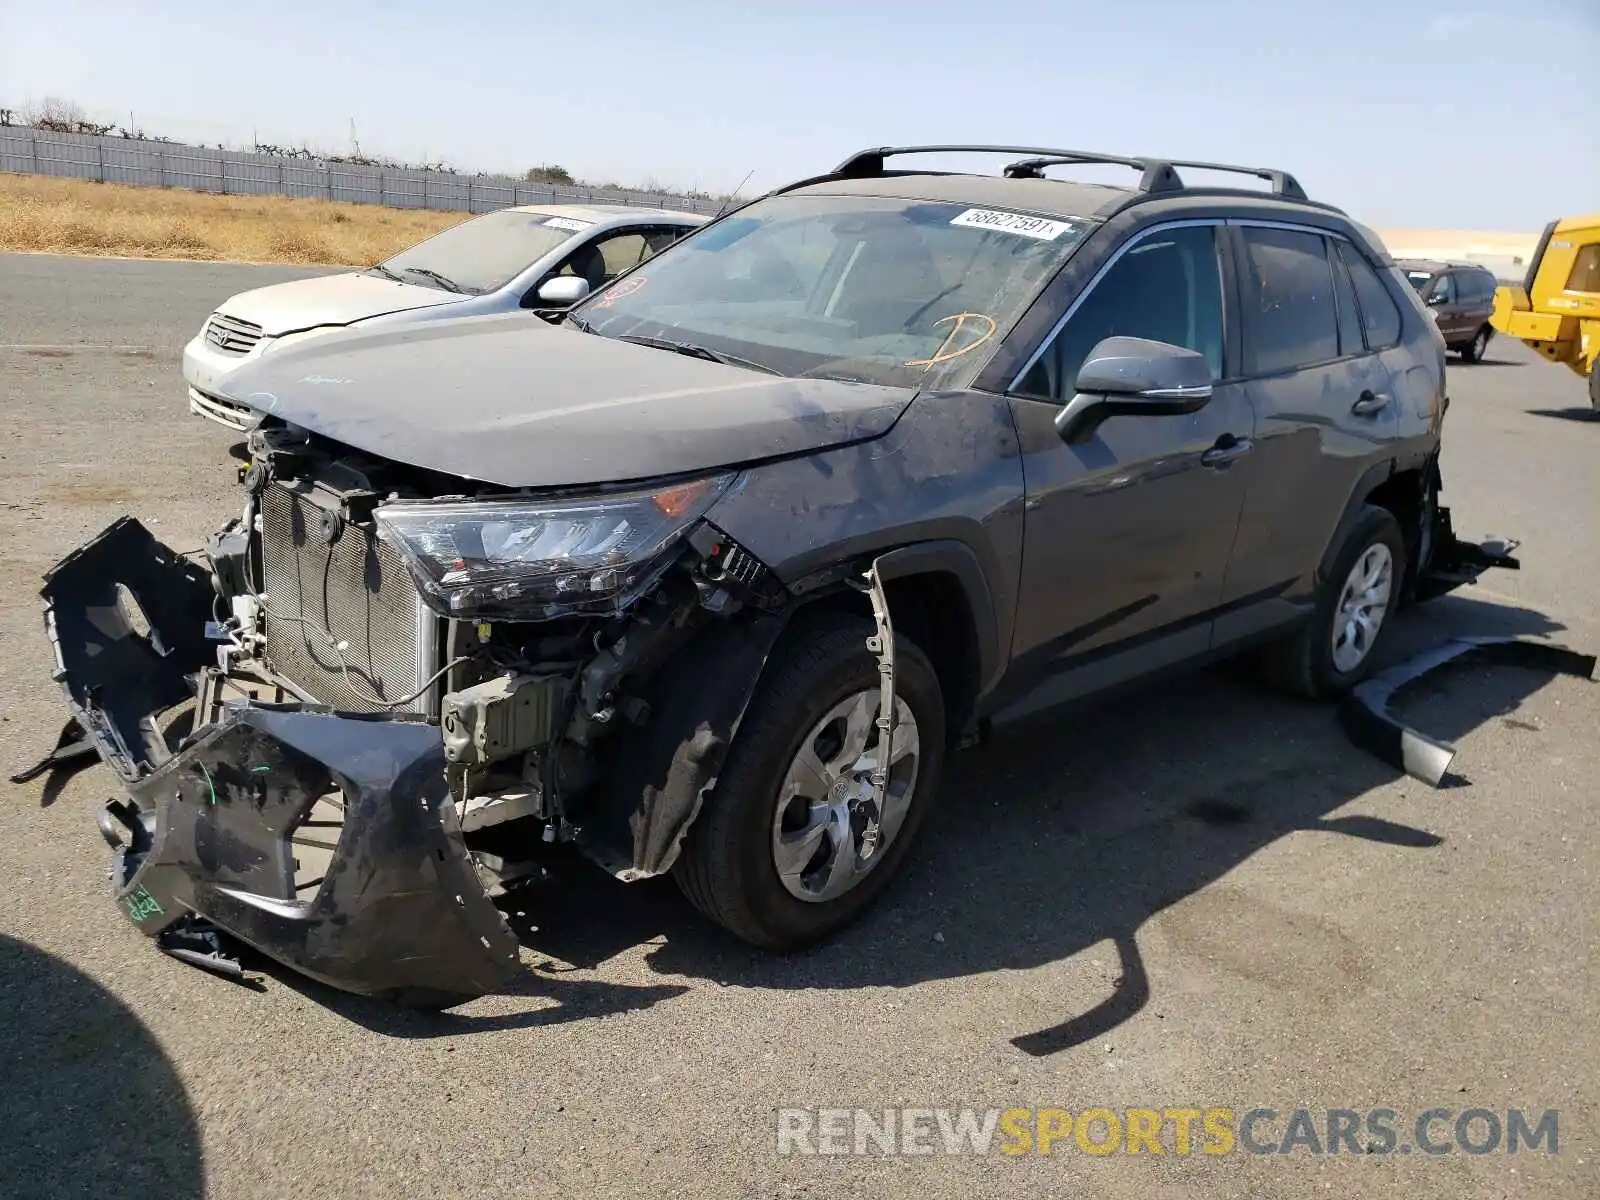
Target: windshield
x=484, y=253
x=874, y=289
x=1420, y=280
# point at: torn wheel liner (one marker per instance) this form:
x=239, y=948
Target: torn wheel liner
x=396, y=911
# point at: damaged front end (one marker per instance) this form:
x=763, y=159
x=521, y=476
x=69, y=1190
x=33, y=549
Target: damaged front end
x=361, y=719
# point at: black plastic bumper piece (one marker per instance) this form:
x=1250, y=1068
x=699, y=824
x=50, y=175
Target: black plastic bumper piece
x=398, y=913
x=1365, y=714
x=126, y=618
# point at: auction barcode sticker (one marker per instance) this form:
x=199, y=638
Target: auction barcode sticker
x=1009, y=222
x=571, y=223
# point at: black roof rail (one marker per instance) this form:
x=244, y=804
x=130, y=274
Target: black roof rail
x=1283, y=183
x=1156, y=174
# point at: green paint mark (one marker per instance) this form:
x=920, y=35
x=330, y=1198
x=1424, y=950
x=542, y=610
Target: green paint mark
x=141, y=906
x=209, y=784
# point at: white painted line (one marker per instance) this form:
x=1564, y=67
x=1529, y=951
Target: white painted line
x=53, y=347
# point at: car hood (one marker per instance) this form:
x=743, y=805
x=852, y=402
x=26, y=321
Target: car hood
x=515, y=401
x=330, y=300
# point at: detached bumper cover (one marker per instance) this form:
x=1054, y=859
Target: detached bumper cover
x=398, y=911
x=1365, y=713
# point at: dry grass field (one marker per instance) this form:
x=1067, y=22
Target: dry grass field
x=72, y=216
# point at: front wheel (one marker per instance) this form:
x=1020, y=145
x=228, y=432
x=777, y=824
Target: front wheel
x=790, y=846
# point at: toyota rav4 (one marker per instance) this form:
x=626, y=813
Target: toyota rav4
x=709, y=575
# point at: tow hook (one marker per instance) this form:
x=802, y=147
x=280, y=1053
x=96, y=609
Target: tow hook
x=881, y=646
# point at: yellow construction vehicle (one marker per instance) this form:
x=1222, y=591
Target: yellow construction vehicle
x=1557, y=308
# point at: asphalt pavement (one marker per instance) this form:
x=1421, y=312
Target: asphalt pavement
x=1199, y=895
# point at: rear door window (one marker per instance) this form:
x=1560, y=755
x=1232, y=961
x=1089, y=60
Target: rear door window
x=1167, y=288
x=1291, y=319
x=1379, y=314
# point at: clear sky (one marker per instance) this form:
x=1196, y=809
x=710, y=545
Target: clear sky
x=1468, y=114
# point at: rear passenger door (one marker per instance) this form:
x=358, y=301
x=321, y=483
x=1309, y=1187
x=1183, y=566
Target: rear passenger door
x=1324, y=404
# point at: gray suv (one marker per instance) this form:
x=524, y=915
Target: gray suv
x=710, y=576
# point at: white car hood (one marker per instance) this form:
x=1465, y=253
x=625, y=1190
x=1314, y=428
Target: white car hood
x=330, y=300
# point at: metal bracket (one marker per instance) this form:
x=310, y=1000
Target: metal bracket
x=881, y=645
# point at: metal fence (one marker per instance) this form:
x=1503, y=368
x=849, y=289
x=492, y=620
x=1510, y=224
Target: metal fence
x=241, y=173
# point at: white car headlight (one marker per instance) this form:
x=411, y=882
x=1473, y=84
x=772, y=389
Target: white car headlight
x=527, y=559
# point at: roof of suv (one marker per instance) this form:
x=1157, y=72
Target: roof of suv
x=1024, y=185
x=1436, y=265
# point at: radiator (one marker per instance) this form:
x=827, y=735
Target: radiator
x=356, y=589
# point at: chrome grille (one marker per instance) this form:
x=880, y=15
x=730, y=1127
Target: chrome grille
x=357, y=589
x=232, y=334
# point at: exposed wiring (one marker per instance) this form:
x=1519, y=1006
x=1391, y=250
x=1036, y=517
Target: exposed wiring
x=337, y=646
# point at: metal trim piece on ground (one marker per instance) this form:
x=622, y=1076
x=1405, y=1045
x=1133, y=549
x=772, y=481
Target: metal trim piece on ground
x=1365, y=713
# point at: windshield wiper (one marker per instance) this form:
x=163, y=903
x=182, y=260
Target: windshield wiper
x=577, y=323
x=694, y=351
x=385, y=272
x=444, y=281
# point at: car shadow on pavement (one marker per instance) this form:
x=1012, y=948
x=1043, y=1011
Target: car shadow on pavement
x=1079, y=827
x=1567, y=414
x=90, y=1103
x=566, y=1000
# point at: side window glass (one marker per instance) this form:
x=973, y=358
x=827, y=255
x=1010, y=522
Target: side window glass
x=1379, y=314
x=1344, y=296
x=622, y=251
x=1444, y=289
x=1290, y=320
x=1585, y=275
x=1167, y=287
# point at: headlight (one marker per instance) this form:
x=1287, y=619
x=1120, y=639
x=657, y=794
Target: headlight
x=527, y=559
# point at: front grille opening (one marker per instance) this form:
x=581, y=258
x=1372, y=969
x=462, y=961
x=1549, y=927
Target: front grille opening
x=232, y=335
x=313, y=841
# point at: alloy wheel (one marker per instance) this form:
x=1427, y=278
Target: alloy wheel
x=827, y=833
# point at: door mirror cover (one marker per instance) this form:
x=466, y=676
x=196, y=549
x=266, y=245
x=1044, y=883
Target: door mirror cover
x=563, y=291
x=1127, y=376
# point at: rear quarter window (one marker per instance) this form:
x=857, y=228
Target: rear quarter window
x=1380, y=315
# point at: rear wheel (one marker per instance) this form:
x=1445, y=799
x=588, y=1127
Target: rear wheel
x=790, y=846
x=1474, y=350
x=1332, y=652
x=1594, y=385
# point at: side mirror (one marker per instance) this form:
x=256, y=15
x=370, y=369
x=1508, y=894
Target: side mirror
x=1436, y=299
x=562, y=292
x=1134, y=377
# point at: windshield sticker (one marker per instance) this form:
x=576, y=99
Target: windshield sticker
x=570, y=223
x=621, y=290
x=968, y=331
x=1009, y=222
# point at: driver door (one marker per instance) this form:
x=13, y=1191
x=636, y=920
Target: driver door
x=1127, y=536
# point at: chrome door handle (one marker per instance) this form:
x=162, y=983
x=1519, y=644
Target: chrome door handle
x=1370, y=402
x=1227, y=449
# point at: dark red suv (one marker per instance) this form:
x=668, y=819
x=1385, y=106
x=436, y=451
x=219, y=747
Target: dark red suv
x=1461, y=298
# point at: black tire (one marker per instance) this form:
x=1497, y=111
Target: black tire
x=1594, y=386
x=726, y=867
x=1474, y=350
x=1303, y=662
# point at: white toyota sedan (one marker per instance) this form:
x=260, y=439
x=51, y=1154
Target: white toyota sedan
x=543, y=257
